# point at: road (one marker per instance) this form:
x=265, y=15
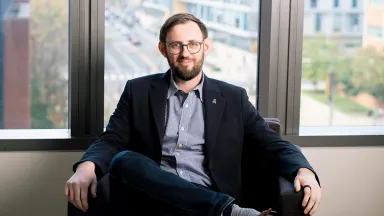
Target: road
x=124, y=61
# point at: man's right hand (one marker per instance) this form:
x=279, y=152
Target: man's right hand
x=76, y=188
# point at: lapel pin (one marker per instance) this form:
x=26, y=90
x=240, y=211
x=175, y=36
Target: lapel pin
x=214, y=101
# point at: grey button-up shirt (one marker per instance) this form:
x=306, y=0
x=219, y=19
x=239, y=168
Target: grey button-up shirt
x=183, y=142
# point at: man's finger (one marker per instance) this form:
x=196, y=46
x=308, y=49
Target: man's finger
x=312, y=212
x=71, y=194
x=307, y=195
x=93, y=189
x=84, y=197
x=77, y=197
x=266, y=212
x=297, y=184
x=310, y=205
x=66, y=190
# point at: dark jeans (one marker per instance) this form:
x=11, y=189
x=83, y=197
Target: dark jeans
x=140, y=187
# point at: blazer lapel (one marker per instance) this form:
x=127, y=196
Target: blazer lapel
x=214, y=106
x=158, y=99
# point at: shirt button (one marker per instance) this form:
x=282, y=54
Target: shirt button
x=186, y=105
x=180, y=145
x=182, y=128
x=181, y=172
x=177, y=154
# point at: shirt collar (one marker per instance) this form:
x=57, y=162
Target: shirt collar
x=173, y=88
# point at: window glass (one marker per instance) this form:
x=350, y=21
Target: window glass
x=34, y=64
x=132, y=28
x=343, y=70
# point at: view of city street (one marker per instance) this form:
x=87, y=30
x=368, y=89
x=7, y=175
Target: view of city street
x=131, y=30
x=131, y=51
x=342, y=76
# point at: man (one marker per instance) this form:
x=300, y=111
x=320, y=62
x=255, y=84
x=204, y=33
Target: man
x=175, y=142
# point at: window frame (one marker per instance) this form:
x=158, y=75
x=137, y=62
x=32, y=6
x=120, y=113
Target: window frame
x=85, y=85
x=278, y=80
x=292, y=115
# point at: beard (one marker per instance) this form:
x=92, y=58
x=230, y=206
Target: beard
x=184, y=73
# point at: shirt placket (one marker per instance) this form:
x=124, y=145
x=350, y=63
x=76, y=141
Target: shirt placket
x=182, y=142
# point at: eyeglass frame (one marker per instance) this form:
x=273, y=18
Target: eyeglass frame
x=184, y=45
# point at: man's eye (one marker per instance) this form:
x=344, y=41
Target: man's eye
x=175, y=45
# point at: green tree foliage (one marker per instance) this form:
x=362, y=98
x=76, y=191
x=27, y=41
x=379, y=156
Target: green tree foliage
x=49, y=62
x=368, y=72
x=318, y=54
x=362, y=71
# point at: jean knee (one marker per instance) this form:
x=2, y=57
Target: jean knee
x=117, y=163
x=125, y=163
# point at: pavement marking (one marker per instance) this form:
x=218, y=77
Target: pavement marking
x=143, y=57
x=136, y=67
x=112, y=60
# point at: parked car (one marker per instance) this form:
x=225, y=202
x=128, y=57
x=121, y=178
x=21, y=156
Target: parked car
x=134, y=40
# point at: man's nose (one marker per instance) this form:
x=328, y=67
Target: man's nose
x=184, y=52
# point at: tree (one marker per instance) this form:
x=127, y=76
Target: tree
x=49, y=62
x=368, y=73
x=318, y=58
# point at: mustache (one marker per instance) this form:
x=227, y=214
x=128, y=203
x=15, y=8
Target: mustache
x=183, y=59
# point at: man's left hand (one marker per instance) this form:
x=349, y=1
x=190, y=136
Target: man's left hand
x=312, y=193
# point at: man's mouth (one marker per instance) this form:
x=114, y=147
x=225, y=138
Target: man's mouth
x=186, y=62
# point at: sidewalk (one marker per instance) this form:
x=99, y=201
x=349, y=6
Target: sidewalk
x=315, y=113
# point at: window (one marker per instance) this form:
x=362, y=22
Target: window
x=318, y=20
x=34, y=64
x=237, y=22
x=377, y=2
x=354, y=3
x=375, y=31
x=343, y=86
x=131, y=45
x=337, y=23
x=336, y=3
x=313, y=3
x=354, y=23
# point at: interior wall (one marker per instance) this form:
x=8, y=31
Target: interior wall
x=32, y=183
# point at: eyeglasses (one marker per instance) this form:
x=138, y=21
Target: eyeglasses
x=177, y=47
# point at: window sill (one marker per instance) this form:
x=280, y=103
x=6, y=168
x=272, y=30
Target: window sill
x=42, y=140
x=338, y=136
x=7, y=134
x=341, y=130
x=60, y=139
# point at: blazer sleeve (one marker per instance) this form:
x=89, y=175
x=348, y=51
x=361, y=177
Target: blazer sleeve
x=286, y=157
x=114, y=139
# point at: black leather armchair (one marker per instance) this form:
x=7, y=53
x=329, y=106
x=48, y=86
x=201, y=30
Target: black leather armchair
x=266, y=190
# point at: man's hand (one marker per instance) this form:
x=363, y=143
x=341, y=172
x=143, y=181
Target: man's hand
x=312, y=193
x=76, y=188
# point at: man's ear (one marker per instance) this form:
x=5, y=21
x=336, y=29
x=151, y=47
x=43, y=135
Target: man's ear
x=207, y=45
x=162, y=49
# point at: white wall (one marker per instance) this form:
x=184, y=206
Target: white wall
x=32, y=183
x=351, y=178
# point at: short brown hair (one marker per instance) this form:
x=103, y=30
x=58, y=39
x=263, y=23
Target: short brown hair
x=181, y=18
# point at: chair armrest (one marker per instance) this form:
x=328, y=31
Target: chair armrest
x=274, y=124
x=289, y=200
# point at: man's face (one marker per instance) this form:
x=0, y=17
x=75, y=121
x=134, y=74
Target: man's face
x=183, y=61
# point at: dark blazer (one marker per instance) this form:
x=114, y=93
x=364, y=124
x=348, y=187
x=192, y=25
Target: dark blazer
x=234, y=130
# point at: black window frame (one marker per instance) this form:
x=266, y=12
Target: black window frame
x=278, y=80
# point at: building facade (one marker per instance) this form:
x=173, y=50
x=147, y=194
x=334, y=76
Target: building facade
x=338, y=20
x=373, y=34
